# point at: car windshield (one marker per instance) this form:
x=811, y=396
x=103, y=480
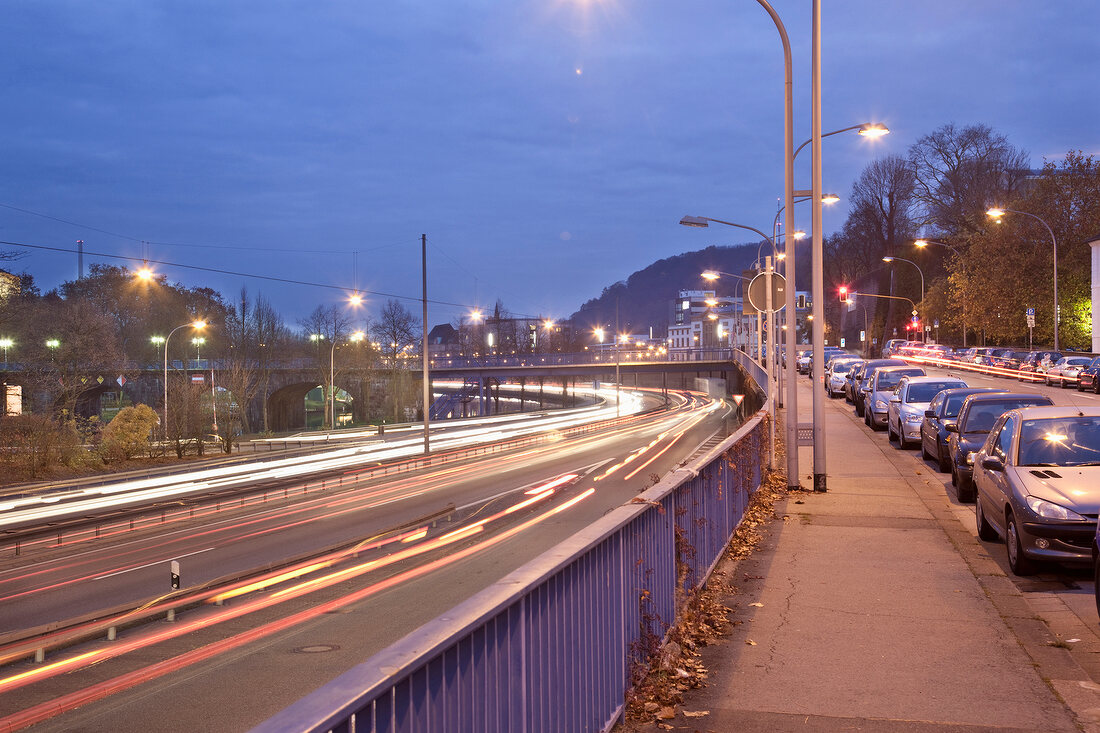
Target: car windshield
x=953, y=404
x=983, y=414
x=925, y=391
x=889, y=380
x=1061, y=441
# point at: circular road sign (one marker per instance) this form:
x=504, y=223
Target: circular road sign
x=758, y=292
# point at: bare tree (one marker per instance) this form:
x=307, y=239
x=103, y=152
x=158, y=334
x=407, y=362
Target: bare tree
x=396, y=334
x=960, y=172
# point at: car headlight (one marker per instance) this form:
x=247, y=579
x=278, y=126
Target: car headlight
x=1049, y=510
x=968, y=458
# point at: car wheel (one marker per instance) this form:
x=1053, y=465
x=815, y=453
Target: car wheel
x=890, y=435
x=923, y=448
x=954, y=476
x=876, y=427
x=1096, y=385
x=1080, y=387
x=1096, y=581
x=1020, y=563
x=985, y=529
x=964, y=490
x=944, y=461
x=902, y=442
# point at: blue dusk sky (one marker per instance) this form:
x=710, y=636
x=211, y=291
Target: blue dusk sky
x=547, y=149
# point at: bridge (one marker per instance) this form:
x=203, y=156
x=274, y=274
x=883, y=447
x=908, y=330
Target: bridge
x=462, y=386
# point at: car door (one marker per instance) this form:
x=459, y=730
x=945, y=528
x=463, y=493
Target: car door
x=930, y=428
x=992, y=486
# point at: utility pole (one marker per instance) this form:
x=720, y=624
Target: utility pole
x=424, y=335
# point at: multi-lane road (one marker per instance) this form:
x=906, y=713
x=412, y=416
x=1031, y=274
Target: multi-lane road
x=279, y=596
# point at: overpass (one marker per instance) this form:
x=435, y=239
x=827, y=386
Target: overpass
x=541, y=378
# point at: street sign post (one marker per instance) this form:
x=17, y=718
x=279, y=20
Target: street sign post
x=1030, y=315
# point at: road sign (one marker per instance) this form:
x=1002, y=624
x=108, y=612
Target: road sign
x=174, y=572
x=862, y=336
x=842, y=342
x=758, y=292
x=936, y=323
x=1031, y=321
x=1030, y=312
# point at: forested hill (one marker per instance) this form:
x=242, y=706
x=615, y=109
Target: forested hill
x=644, y=297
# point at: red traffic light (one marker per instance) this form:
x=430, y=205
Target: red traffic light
x=843, y=293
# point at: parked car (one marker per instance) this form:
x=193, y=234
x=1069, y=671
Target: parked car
x=890, y=347
x=1037, y=362
x=936, y=353
x=883, y=384
x=864, y=387
x=905, y=410
x=838, y=372
x=1009, y=359
x=1089, y=377
x=852, y=380
x=943, y=408
x=976, y=418
x=803, y=361
x=1066, y=369
x=1038, y=485
x=982, y=355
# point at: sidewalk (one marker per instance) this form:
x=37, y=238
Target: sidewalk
x=872, y=608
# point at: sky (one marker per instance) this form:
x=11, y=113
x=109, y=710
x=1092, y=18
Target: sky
x=546, y=149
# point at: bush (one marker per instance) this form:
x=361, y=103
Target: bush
x=127, y=435
x=32, y=443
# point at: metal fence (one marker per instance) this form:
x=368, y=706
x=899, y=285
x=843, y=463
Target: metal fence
x=551, y=646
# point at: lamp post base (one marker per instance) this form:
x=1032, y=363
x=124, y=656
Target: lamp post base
x=819, y=483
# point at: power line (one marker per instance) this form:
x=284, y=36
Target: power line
x=269, y=278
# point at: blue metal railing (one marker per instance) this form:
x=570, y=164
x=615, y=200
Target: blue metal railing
x=551, y=646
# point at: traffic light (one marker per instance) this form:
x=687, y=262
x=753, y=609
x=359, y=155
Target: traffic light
x=843, y=293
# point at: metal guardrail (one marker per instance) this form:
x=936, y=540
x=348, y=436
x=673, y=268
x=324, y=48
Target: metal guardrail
x=551, y=646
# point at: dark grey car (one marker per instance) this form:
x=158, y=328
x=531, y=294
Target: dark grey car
x=976, y=418
x=943, y=409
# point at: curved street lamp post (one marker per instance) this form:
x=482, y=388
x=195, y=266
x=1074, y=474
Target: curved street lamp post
x=996, y=213
x=198, y=326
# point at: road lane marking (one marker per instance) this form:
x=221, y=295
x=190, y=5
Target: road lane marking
x=151, y=564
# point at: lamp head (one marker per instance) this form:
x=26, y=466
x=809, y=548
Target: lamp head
x=799, y=234
x=198, y=324
x=921, y=243
x=694, y=221
x=887, y=259
x=355, y=299
x=710, y=275
x=829, y=198
x=874, y=130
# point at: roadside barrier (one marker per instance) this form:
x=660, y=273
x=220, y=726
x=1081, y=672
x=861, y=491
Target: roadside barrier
x=551, y=646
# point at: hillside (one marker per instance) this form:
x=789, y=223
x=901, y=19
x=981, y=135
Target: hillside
x=644, y=297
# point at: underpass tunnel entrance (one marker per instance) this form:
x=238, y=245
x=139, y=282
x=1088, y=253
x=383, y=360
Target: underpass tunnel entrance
x=316, y=408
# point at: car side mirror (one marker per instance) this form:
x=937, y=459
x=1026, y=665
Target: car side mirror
x=951, y=427
x=993, y=463
x=895, y=398
x=929, y=413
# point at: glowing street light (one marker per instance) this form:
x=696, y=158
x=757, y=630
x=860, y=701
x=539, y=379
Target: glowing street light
x=53, y=343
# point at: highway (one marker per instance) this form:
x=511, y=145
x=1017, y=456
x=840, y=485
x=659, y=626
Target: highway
x=345, y=570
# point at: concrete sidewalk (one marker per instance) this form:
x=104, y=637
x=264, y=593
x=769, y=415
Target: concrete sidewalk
x=872, y=608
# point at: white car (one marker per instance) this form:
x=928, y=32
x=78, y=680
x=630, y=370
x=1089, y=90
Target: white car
x=905, y=412
x=838, y=373
x=1066, y=370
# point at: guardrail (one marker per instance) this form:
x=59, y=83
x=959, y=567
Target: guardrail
x=551, y=646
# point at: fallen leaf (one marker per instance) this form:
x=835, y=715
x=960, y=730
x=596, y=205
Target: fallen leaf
x=757, y=605
x=696, y=714
x=666, y=713
x=750, y=642
x=652, y=707
x=1070, y=641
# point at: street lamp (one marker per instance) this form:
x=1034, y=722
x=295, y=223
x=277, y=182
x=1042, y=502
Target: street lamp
x=198, y=325
x=996, y=213
x=5, y=344
x=914, y=264
x=354, y=338
x=198, y=341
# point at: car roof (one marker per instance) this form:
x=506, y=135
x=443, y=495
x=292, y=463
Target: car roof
x=971, y=390
x=997, y=396
x=1043, y=411
x=926, y=379
x=897, y=368
x=886, y=362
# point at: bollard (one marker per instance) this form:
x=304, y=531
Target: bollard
x=171, y=615
x=112, y=632
x=39, y=655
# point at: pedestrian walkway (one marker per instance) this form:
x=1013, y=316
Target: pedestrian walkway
x=872, y=608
